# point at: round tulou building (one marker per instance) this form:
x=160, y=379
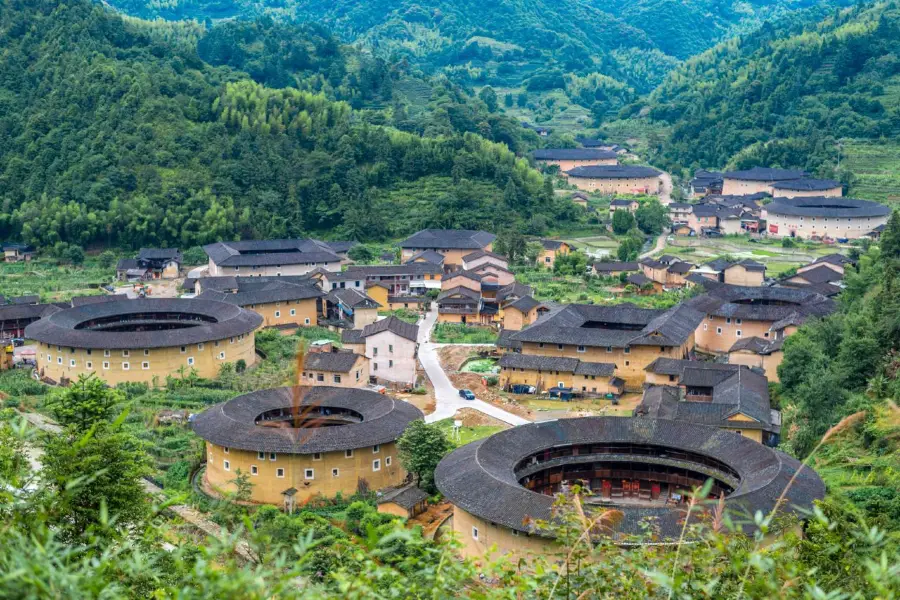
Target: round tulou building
x=143, y=340
x=642, y=467
x=819, y=216
x=296, y=443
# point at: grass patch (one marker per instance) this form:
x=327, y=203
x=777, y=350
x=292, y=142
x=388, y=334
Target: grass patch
x=404, y=314
x=467, y=434
x=480, y=365
x=52, y=281
x=452, y=333
x=875, y=165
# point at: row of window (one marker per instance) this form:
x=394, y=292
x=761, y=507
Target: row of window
x=609, y=349
x=127, y=353
x=273, y=456
x=310, y=474
x=335, y=378
x=126, y=366
x=375, y=349
x=737, y=333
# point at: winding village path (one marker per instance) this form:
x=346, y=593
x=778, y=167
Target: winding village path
x=446, y=396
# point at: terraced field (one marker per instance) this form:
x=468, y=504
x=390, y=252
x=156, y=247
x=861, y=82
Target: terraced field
x=876, y=169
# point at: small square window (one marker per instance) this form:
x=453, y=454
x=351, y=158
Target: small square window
x=474, y=533
x=254, y=470
x=106, y=365
x=718, y=331
x=146, y=352
x=737, y=333
x=739, y=321
x=390, y=364
x=704, y=327
x=183, y=349
x=376, y=449
x=581, y=348
x=609, y=349
x=336, y=378
x=376, y=465
x=348, y=453
x=387, y=461
x=273, y=457
x=728, y=321
x=335, y=472
x=200, y=346
x=145, y=365
x=306, y=321
x=227, y=465
x=190, y=360
x=293, y=312
x=390, y=347
x=627, y=350
x=261, y=455
x=216, y=344
x=89, y=365
x=317, y=456
x=627, y=363
x=279, y=473
x=59, y=360
x=221, y=356
x=125, y=353
x=309, y=474
x=559, y=346
x=72, y=362
x=226, y=450
x=320, y=377
x=277, y=314
x=125, y=366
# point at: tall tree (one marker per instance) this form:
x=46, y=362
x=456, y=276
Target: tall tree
x=422, y=446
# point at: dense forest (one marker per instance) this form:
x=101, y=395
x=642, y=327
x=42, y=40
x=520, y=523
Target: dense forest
x=112, y=132
x=511, y=42
x=784, y=95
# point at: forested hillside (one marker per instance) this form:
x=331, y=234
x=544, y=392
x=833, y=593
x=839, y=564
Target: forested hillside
x=510, y=42
x=786, y=96
x=110, y=133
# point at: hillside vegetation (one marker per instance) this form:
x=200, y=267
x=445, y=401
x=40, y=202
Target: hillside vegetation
x=792, y=95
x=117, y=132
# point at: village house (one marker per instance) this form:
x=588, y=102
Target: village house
x=569, y=158
x=406, y=501
x=714, y=219
x=814, y=276
x=624, y=335
x=746, y=272
x=150, y=263
x=16, y=252
x=278, y=300
x=351, y=307
x=820, y=217
x=520, y=313
x=680, y=212
x=705, y=183
x=300, y=443
x=480, y=258
x=378, y=292
x=275, y=257
x=415, y=303
x=427, y=256
x=623, y=204
x=614, y=269
x=554, y=373
x=581, y=199
x=336, y=369
x=759, y=353
x=733, y=312
x=757, y=179
x=615, y=179
x=668, y=271
x=797, y=188
x=391, y=345
x=645, y=285
x=731, y=397
x=15, y=317
x=550, y=249
x=413, y=278
x=459, y=305
x=452, y=243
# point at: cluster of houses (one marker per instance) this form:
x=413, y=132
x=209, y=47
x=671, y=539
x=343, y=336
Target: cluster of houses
x=595, y=167
x=777, y=202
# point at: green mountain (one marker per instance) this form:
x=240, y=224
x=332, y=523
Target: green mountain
x=808, y=95
x=116, y=131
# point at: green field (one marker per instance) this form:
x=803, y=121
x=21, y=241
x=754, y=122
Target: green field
x=53, y=281
x=875, y=166
x=452, y=333
x=467, y=434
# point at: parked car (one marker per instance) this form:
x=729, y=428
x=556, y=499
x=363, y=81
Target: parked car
x=467, y=394
x=17, y=342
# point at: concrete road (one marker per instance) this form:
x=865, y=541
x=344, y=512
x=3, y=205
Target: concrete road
x=447, y=399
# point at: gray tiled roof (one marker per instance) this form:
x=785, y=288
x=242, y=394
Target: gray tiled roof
x=126, y=264
x=397, y=326
x=573, y=154
x=333, y=362
x=519, y=290
x=263, y=292
x=406, y=496
x=461, y=291
x=352, y=298
x=270, y=252
x=552, y=244
x=524, y=304
x=638, y=279
x=159, y=254
x=13, y=312
x=28, y=299
x=429, y=256
x=480, y=253
x=821, y=274
x=232, y=424
x=583, y=324
x=532, y=362
x=835, y=259
x=761, y=303
x=764, y=174
x=504, y=340
x=447, y=239
x=209, y=320
x=827, y=207
x=480, y=477
x=807, y=184
x=82, y=300
x=608, y=267
x=408, y=269
x=613, y=172
x=758, y=345
x=352, y=336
